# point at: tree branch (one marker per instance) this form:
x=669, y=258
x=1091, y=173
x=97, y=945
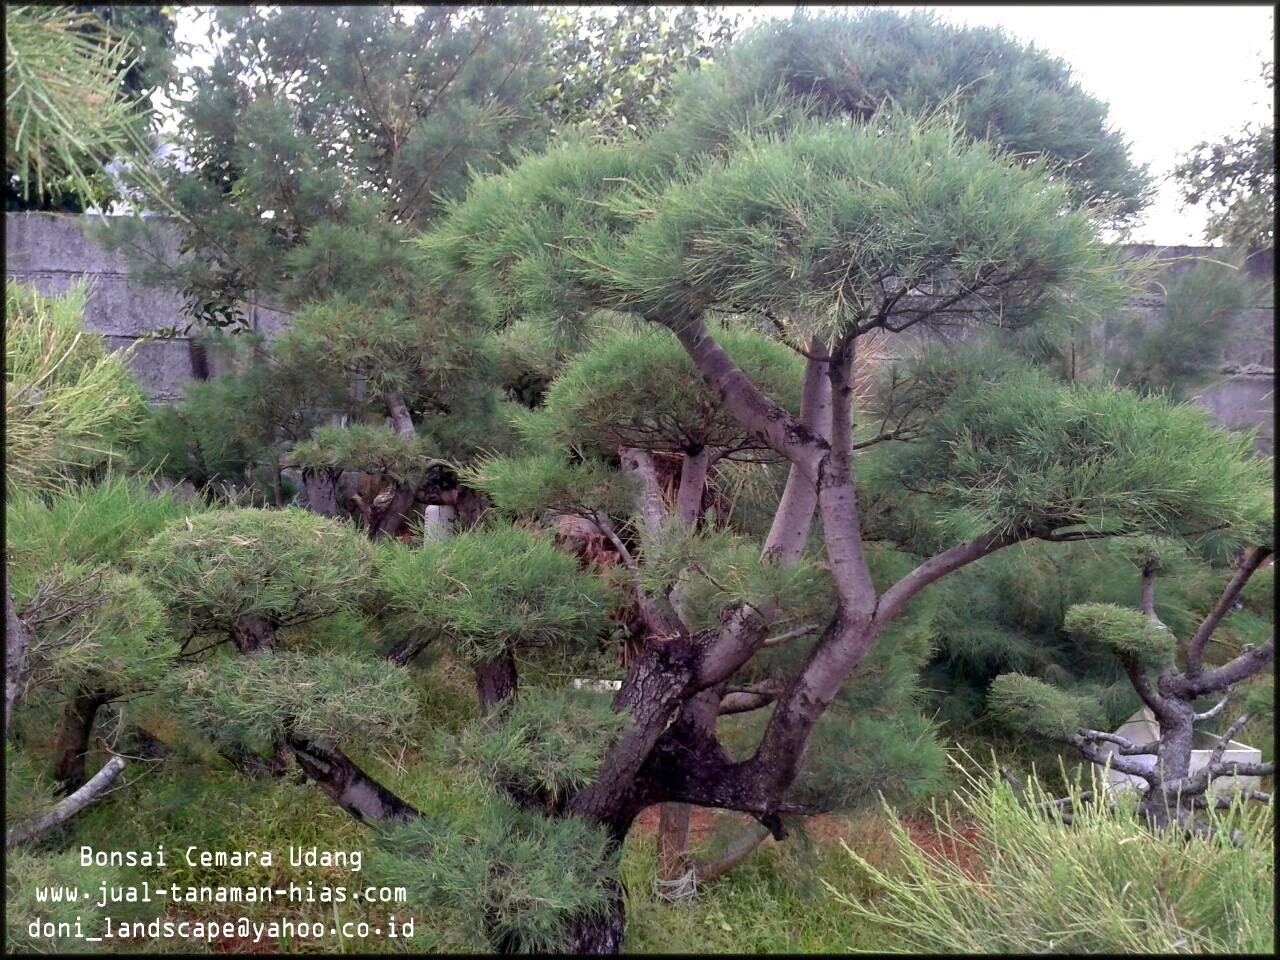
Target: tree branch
x=1117, y=762
x=1233, y=671
x=1248, y=565
x=90, y=793
x=1217, y=708
x=939, y=565
x=733, y=855
x=1127, y=747
x=756, y=413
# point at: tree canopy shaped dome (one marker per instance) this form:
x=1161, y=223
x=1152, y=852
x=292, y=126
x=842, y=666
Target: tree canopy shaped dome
x=834, y=229
x=641, y=390
x=848, y=65
x=218, y=569
x=490, y=591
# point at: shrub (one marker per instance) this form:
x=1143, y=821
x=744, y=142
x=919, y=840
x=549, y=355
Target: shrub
x=286, y=566
x=514, y=877
x=69, y=402
x=488, y=591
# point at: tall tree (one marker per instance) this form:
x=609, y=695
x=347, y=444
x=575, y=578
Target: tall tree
x=355, y=119
x=1235, y=179
x=615, y=72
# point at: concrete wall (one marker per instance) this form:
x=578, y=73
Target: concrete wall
x=52, y=251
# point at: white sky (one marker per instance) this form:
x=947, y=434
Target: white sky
x=1172, y=75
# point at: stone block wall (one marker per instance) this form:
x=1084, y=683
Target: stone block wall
x=54, y=252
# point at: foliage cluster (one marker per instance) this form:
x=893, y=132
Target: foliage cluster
x=69, y=402
x=323, y=699
x=490, y=591
x=216, y=569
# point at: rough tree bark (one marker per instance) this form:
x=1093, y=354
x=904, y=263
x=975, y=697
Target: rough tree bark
x=321, y=487
x=496, y=681
x=74, y=733
x=17, y=641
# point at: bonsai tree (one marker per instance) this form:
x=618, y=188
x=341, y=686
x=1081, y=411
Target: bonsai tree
x=243, y=577
x=829, y=234
x=1144, y=646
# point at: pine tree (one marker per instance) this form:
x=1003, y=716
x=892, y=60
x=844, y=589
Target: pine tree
x=826, y=233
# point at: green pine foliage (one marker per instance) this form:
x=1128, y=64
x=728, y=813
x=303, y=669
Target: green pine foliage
x=548, y=743
x=223, y=428
x=1022, y=450
x=86, y=523
x=373, y=449
x=490, y=591
x=797, y=228
x=27, y=871
x=66, y=112
x=641, y=390
x=1026, y=703
x=28, y=793
x=215, y=569
x=314, y=136
x=513, y=877
x=325, y=699
x=98, y=629
x=545, y=485
x=70, y=404
x=716, y=568
x=1127, y=633
x=525, y=358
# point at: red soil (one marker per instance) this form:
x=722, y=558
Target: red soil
x=829, y=828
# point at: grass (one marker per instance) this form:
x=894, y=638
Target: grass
x=774, y=902
x=1104, y=884
x=1047, y=888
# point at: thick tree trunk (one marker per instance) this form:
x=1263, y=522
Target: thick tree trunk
x=1173, y=762
x=496, y=681
x=17, y=641
x=389, y=519
x=790, y=529
x=322, y=492
x=347, y=785
x=600, y=935
x=74, y=733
